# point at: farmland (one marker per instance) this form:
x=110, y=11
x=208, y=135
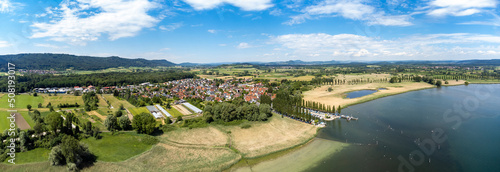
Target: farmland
x=110, y=148
x=116, y=102
x=138, y=110
x=174, y=112
x=35, y=155
x=4, y=122
x=22, y=101
x=61, y=99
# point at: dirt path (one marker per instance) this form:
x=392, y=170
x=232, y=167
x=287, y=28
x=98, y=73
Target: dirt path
x=130, y=116
x=21, y=122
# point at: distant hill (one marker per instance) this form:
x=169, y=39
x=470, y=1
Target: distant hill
x=65, y=61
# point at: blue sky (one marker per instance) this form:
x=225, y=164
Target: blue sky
x=204, y=31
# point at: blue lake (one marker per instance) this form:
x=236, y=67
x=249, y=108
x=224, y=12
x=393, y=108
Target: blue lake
x=360, y=93
x=400, y=132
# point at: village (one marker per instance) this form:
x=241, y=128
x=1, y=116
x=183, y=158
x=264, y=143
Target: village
x=204, y=89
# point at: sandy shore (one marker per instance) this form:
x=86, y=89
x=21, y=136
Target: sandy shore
x=299, y=160
x=337, y=96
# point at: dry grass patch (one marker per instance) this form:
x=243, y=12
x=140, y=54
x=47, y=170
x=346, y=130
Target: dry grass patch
x=182, y=109
x=102, y=102
x=164, y=157
x=61, y=99
x=336, y=97
x=208, y=136
x=453, y=82
x=97, y=114
x=39, y=167
x=275, y=135
x=116, y=102
x=364, y=76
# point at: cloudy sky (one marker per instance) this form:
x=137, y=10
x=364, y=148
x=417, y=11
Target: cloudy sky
x=205, y=31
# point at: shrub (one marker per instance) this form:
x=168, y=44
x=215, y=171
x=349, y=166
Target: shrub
x=246, y=126
x=150, y=140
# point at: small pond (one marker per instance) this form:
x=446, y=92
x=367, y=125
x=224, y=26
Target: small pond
x=360, y=93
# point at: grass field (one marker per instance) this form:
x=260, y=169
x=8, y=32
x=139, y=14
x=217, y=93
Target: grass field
x=268, y=137
x=138, y=110
x=61, y=99
x=35, y=155
x=104, y=111
x=165, y=157
x=102, y=102
x=116, y=103
x=22, y=101
x=4, y=122
x=208, y=136
x=38, y=167
x=174, y=112
x=118, y=147
x=28, y=119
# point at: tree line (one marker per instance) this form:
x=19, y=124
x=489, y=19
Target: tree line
x=28, y=82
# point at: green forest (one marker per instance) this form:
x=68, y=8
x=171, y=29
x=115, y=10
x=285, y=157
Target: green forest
x=48, y=61
x=27, y=82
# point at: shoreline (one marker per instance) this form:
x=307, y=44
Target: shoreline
x=337, y=97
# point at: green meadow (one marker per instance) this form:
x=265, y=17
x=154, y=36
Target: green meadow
x=117, y=147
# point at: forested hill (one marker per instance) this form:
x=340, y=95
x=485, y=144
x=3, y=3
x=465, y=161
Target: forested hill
x=66, y=61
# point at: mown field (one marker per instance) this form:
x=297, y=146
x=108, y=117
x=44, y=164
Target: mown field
x=117, y=147
x=4, y=122
x=263, y=138
x=199, y=149
x=61, y=99
x=138, y=110
x=35, y=155
x=22, y=101
x=116, y=102
x=28, y=119
x=174, y=112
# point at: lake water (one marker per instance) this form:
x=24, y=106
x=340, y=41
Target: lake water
x=360, y=93
x=458, y=129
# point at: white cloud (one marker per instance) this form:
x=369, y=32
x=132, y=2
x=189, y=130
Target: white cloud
x=47, y=45
x=354, y=10
x=211, y=31
x=442, y=8
x=5, y=6
x=243, y=45
x=247, y=5
x=77, y=22
x=171, y=27
x=492, y=22
x=276, y=12
x=4, y=44
x=355, y=46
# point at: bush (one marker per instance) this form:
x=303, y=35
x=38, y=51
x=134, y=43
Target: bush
x=150, y=140
x=72, y=167
x=56, y=157
x=167, y=128
x=144, y=123
x=246, y=126
x=168, y=120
